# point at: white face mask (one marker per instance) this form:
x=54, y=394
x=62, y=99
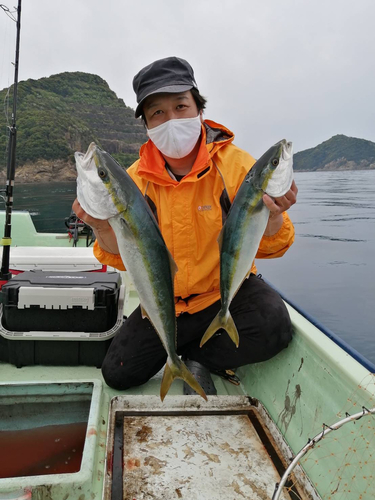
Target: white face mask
x=176, y=138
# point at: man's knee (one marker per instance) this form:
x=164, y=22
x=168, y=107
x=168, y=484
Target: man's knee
x=121, y=377
x=262, y=307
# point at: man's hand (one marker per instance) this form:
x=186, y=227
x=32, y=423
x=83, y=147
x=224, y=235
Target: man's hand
x=103, y=231
x=81, y=214
x=277, y=206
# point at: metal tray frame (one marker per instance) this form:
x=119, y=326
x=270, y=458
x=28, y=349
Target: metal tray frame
x=137, y=406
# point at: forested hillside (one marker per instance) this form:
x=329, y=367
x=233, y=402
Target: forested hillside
x=59, y=115
x=338, y=153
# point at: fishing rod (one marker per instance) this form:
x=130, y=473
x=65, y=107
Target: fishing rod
x=5, y=274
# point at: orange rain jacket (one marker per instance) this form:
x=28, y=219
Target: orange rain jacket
x=190, y=214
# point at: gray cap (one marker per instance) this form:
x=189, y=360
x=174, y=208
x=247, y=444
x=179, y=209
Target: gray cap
x=170, y=74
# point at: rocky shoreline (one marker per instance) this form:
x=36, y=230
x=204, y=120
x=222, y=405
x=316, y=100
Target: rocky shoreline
x=55, y=171
x=343, y=168
x=43, y=171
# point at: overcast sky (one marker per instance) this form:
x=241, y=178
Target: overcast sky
x=303, y=70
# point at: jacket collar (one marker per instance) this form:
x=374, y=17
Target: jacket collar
x=151, y=165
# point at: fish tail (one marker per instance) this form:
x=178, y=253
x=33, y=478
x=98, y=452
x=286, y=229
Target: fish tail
x=222, y=321
x=180, y=370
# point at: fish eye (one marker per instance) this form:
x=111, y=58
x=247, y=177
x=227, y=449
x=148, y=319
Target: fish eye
x=102, y=173
x=275, y=162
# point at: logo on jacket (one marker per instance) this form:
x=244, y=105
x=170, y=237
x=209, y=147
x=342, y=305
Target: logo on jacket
x=204, y=207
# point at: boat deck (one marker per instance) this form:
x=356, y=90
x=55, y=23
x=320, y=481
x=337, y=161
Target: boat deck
x=315, y=380
x=181, y=448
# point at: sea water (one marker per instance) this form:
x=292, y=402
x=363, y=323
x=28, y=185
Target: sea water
x=329, y=270
x=49, y=204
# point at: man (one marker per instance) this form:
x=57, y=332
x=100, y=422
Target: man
x=189, y=171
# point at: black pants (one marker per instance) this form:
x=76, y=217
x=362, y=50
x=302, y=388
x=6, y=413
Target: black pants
x=136, y=353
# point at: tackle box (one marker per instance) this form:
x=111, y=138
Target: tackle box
x=60, y=318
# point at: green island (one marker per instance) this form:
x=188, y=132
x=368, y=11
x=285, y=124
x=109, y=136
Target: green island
x=61, y=114
x=338, y=153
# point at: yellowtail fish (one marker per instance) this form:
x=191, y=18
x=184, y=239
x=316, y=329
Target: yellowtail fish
x=106, y=191
x=246, y=222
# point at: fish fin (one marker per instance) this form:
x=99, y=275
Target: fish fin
x=166, y=381
x=220, y=321
x=144, y=313
x=173, y=264
x=179, y=371
x=189, y=378
x=220, y=238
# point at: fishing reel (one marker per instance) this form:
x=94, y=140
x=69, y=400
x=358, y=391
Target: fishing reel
x=77, y=227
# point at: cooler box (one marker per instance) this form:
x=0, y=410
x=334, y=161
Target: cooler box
x=69, y=259
x=60, y=318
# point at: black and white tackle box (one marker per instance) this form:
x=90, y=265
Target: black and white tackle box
x=59, y=317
